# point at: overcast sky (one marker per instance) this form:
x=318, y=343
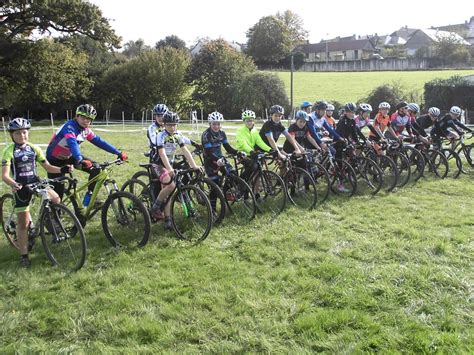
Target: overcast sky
x=153, y=20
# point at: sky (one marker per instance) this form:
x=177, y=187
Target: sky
x=153, y=20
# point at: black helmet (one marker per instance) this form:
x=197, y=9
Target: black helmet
x=401, y=105
x=350, y=107
x=18, y=123
x=170, y=117
x=277, y=109
x=320, y=105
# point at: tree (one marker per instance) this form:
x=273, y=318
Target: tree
x=133, y=49
x=294, y=24
x=18, y=19
x=451, y=49
x=214, y=73
x=259, y=90
x=137, y=84
x=171, y=41
x=392, y=94
x=269, y=40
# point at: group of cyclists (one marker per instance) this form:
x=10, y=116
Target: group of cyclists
x=314, y=128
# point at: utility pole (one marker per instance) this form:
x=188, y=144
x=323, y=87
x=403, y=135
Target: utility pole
x=291, y=86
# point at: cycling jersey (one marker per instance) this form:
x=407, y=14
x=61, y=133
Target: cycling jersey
x=381, y=122
x=168, y=142
x=422, y=123
x=22, y=159
x=272, y=129
x=347, y=128
x=399, y=123
x=330, y=120
x=152, y=132
x=316, y=124
x=65, y=142
x=441, y=125
x=361, y=122
x=212, y=142
x=300, y=135
x=248, y=140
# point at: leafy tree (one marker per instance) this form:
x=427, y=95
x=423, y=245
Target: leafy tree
x=451, y=50
x=18, y=19
x=260, y=90
x=392, y=94
x=269, y=40
x=422, y=52
x=214, y=72
x=152, y=76
x=133, y=49
x=171, y=41
x=294, y=24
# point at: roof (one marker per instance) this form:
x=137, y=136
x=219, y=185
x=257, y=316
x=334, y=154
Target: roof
x=436, y=35
x=364, y=44
x=400, y=36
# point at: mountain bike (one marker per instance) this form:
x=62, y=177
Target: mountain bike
x=318, y=173
x=61, y=232
x=125, y=220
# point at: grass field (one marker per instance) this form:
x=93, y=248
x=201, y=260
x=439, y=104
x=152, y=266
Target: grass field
x=391, y=273
x=353, y=86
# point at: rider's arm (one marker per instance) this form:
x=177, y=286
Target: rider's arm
x=311, y=140
x=460, y=124
x=99, y=142
x=7, y=179
x=312, y=131
x=331, y=131
x=189, y=157
x=243, y=140
x=292, y=140
x=259, y=142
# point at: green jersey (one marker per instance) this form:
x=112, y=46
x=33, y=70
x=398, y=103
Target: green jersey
x=249, y=139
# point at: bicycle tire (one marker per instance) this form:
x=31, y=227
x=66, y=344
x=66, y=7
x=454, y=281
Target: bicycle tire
x=342, y=170
x=191, y=214
x=63, y=237
x=403, y=167
x=141, y=190
x=321, y=178
x=389, y=171
x=9, y=219
x=437, y=164
x=209, y=187
x=370, y=174
x=271, y=192
x=239, y=197
x=454, y=161
x=301, y=188
x=125, y=220
x=141, y=175
x=417, y=162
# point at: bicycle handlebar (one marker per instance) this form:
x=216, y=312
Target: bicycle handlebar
x=45, y=183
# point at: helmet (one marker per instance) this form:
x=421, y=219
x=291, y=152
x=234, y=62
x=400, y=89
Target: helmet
x=277, y=109
x=330, y=107
x=401, y=104
x=160, y=109
x=365, y=107
x=170, y=117
x=350, y=107
x=434, y=111
x=341, y=111
x=248, y=115
x=320, y=105
x=385, y=105
x=414, y=107
x=18, y=123
x=86, y=110
x=215, y=117
x=455, y=110
x=305, y=104
x=301, y=115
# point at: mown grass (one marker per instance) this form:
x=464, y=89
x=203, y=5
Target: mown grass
x=391, y=273
x=354, y=86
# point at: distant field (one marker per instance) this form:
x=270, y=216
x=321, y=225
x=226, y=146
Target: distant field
x=353, y=86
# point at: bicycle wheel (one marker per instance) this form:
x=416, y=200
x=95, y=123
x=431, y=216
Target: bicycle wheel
x=9, y=219
x=125, y=220
x=62, y=237
x=191, y=214
x=141, y=190
x=468, y=162
x=389, y=171
x=437, y=165
x=370, y=175
x=240, y=198
x=403, y=167
x=270, y=192
x=321, y=179
x=417, y=162
x=301, y=188
x=142, y=176
x=454, y=162
x=216, y=198
x=343, y=178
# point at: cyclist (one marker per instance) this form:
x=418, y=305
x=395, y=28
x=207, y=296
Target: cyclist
x=363, y=118
x=300, y=132
x=425, y=121
x=271, y=130
x=317, y=123
x=348, y=129
x=450, y=120
x=399, y=121
x=381, y=123
x=249, y=141
x=157, y=126
x=167, y=141
x=306, y=107
x=413, y=110
x=64, y=147
x=18, y=169
x=328, y=116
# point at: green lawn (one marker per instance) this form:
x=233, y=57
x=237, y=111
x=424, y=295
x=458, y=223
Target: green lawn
x=353, y=86
x=391, y=273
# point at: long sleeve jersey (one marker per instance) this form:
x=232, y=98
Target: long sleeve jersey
x=248, y=139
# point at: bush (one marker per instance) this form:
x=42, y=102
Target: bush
x=444, y=93
x=392, y=94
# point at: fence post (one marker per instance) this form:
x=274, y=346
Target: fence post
x=123, y=120
x=52, y=121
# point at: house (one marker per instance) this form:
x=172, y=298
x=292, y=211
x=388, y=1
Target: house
x=426, y=38
x=465, y=30
x=399, y=37
x=349, y=49
x=198, y=46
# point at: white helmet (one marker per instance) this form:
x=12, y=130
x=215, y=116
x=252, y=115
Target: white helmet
x=455, y=110
x=413, y=107
x=215, y=117
x=365, y=107
x=248, y=115
x=385, y=105
x=330, y=107
x=434, y=111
